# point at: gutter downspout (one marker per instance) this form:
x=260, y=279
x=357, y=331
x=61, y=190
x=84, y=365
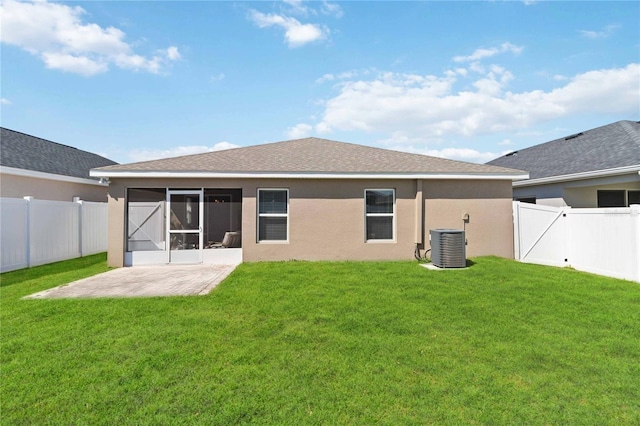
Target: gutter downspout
x=419, y=212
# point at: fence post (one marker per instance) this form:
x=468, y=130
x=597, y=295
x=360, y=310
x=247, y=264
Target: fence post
x=516, y=230
x=80, y=210
x=635, y=231
x=29, y=200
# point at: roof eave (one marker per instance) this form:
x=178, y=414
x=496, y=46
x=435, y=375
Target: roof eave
x=303, y=175
x=580, y=176
x=49, y=176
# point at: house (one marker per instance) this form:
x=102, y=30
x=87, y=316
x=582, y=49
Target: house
x=32, y=166
x=594, y=168
x=311, y=199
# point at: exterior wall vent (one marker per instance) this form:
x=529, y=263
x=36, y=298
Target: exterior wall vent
x=448, y=248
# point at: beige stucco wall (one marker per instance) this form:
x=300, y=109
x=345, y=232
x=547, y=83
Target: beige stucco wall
x=12, y=186
x=327, y=222
x=489, y=205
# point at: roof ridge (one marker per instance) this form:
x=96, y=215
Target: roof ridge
x=46, y=140
x=627, y=126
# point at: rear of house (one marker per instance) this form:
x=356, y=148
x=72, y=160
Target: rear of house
x=310, y=199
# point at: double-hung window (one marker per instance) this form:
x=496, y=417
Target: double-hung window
x=379, y=214
x=273, y=215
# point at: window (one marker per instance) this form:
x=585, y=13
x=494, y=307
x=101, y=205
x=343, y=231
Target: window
x=273, y=214
x=612, y=198
x=633, y=197
x=379, y=214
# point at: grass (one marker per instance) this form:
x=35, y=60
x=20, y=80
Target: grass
x=327, y=343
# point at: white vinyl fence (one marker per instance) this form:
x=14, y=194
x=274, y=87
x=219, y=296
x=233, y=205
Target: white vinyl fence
x=601, y=241
x=35, y=232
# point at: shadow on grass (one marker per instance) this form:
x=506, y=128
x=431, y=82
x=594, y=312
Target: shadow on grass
x=22, y=275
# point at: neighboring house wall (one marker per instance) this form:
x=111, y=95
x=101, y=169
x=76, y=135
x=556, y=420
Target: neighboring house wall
x=579, y=193
x=327, y=219
x=13, y=186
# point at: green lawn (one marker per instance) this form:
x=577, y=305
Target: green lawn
x=327, y=343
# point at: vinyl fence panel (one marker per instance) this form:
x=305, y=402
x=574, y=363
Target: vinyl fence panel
x=54, y=233
x=94, y=228
x=601, y=241
x=605, y=242
x=36, y=232
x=14, y=231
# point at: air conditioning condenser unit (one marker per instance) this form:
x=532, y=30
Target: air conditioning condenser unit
x=448, y=248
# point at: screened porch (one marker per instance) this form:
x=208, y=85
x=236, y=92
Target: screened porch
x=166, y=225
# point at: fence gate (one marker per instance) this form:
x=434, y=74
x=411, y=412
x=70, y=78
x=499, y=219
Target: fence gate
x=604, y=241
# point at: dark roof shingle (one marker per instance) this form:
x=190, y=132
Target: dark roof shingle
x=309, y=155
x=23, y=151
x=607, y=147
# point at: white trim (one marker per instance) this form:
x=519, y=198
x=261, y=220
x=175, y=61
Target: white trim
x=272, y=175
x=259, y=215
x=392, y=214
x=579, y=176
x=49, y=176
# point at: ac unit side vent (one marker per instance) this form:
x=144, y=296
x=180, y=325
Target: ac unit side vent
x=448, y=248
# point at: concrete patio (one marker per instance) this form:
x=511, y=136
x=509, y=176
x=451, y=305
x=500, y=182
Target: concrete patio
x=143, y=281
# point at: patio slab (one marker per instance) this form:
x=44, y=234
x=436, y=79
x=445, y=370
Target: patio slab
x=143, y=281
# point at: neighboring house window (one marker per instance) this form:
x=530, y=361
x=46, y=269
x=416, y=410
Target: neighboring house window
x=273, y=214
x=379, y=214
x=611, y=198
x=530, y=200
x=633, y=197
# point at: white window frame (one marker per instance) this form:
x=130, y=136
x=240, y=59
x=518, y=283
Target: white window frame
x=392, y=215
x=259, y=215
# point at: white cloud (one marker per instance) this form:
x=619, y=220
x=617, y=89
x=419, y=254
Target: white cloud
x=218, y=77
x=296, y=33
x=75, y=64
x=173, y=54
x=604, y=33
x=5, y=101
x=429, y=106
x=299, y=131
x=460, y=154
x=506, y=142
x=56, y=33
x=323, y=128
x=326, y=77
x=481, y=53
x=342, y=76
x=146, y=155
x=297, y=8
x=333, y=9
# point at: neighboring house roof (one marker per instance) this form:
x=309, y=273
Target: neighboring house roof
x=610, y=149
x=22, y=151
x=309, y=157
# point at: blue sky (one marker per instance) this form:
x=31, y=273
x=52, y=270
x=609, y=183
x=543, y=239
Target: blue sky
x=465, y=80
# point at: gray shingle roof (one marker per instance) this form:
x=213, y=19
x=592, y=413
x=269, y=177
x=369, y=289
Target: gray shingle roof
x=607, y=147
x=309, y=155
x=23, y=151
